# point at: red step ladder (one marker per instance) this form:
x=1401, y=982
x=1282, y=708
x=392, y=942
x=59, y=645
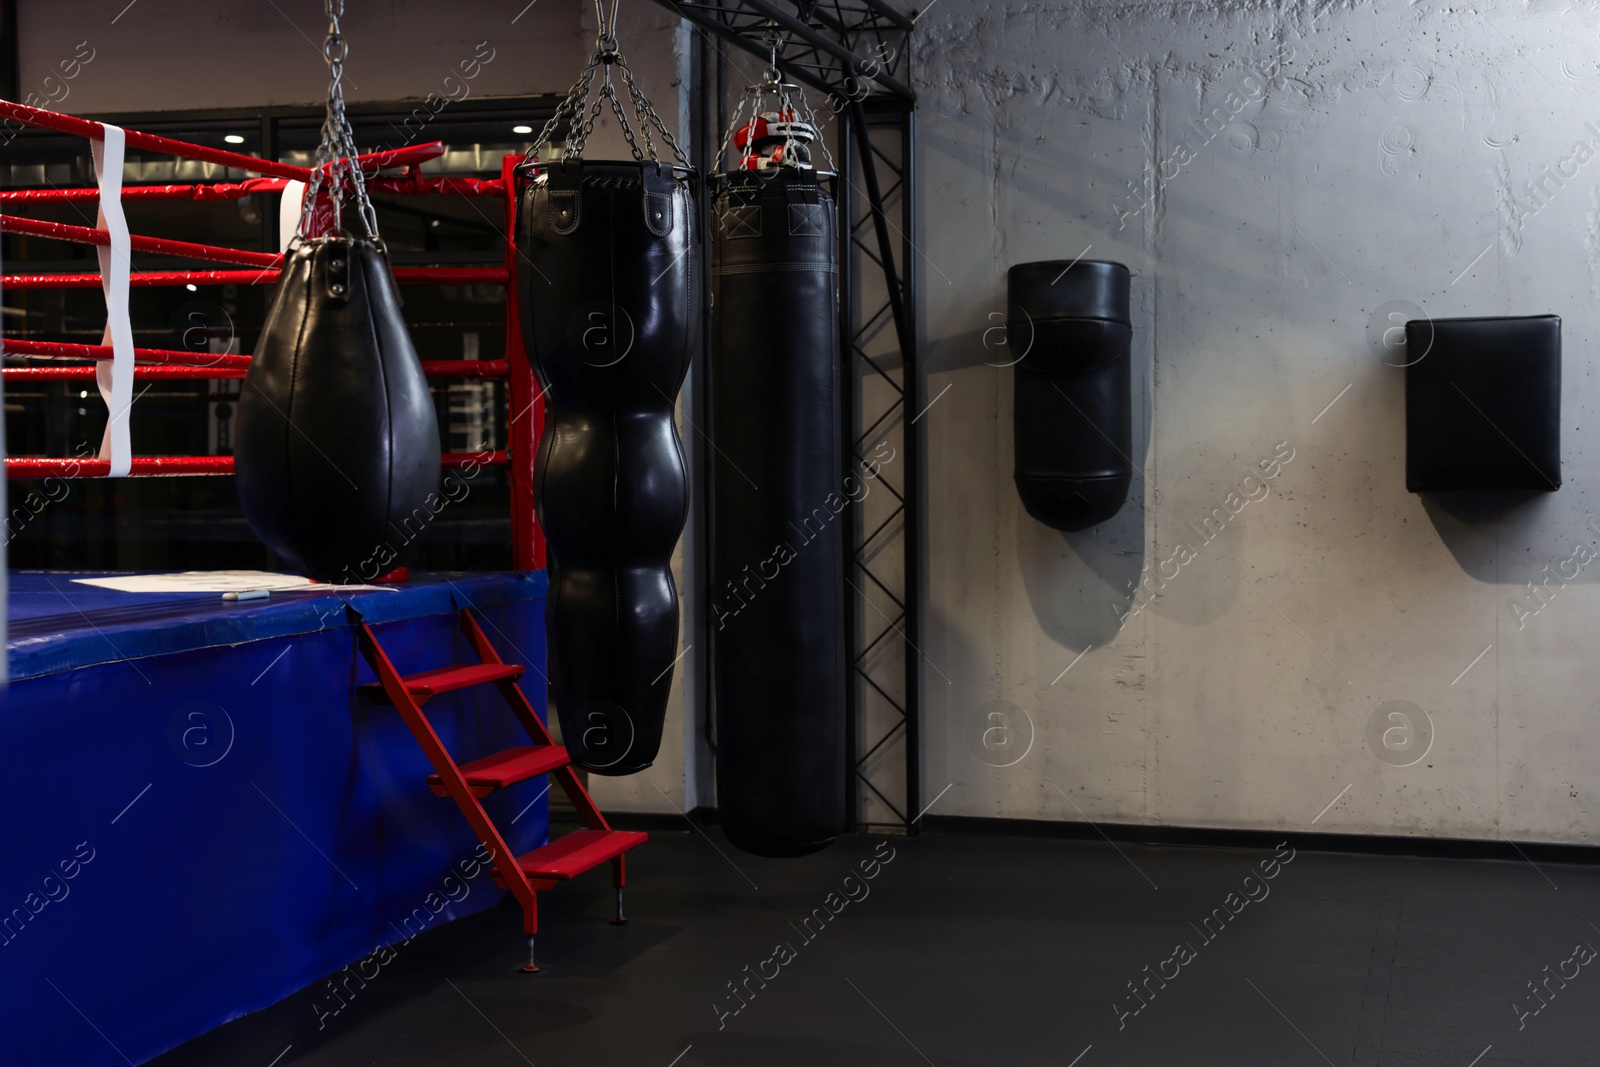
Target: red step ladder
x=545, y=867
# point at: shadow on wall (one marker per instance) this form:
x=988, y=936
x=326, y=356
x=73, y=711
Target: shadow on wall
x=1076, y=583
x=1080, y=584
x=1470, y=523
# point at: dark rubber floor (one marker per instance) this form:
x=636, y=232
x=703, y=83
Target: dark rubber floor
x=970, y=949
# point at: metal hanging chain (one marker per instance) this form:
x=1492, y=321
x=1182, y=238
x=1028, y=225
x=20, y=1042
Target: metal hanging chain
x=783, y=96
x=774, y=78
x=334, y=168
x=816, y=124
x=577, y=109
x=733, y=127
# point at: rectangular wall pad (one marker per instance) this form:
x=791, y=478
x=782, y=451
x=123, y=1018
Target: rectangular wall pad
x=1483, y=404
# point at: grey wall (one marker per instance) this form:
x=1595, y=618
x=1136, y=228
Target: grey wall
x=1383, y=158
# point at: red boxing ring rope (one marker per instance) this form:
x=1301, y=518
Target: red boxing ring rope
x=50, y=120
x=83, y=235
x=410, y=184
x=438, y=368
x=69, y=350
x=158, y=466
x=140, y=374
x=488, y=369
x=265, y=276
x=158, y=364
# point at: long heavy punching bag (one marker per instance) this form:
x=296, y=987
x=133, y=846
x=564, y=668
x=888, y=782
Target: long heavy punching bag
x=611, y=302
x=777, y=497
x=336, y=450
x=1073, y=409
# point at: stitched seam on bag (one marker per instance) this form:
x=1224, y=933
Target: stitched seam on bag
x=616, y=441
x=388, y=409
x=288, y=416
x=650, y=203
x=672, y=409
x=740, y=220
x=571, y=196
x=810, y=219
x=763, y=268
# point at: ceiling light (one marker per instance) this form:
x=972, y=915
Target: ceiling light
x=522, y=129
x=193, y=288
x=234, y=138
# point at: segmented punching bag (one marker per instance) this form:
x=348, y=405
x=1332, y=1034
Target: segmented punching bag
x=336, y=447
x=1073, y=406
x=610, y=304
x=778, y=500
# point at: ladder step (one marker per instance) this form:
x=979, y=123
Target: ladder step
x=507, y=768
x=447, y=679
x=569, y=856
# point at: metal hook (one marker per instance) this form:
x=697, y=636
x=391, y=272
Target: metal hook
x=774, y=45
x=606, y=38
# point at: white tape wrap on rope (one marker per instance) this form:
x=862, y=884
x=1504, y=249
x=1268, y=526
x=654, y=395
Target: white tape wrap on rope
x=294, y=196
x=115, y=380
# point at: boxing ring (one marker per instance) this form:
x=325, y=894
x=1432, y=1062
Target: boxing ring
x=203, y=813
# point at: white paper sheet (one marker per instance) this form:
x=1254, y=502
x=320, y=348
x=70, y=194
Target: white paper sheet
x=222, y=582
x=199, y=582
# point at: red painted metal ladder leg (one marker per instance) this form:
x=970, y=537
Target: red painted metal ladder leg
x=549, y=865
x=568, y=778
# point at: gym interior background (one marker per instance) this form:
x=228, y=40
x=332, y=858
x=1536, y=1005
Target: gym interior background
x=1273, y=649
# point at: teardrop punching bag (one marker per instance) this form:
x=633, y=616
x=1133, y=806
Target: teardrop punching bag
x=1073, y=407
x=610, y=300
x=778, y=504
x=336, y=449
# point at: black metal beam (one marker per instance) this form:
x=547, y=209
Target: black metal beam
x=848, y=60
x=10, y=52
x=822, y=41
x=857, y=52
x=715, y=31
x=904, y=122
x=880, y=223
x=845, y=204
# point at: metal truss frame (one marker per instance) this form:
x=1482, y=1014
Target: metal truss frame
x=857, y=53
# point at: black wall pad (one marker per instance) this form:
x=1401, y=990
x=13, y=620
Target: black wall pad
x=778, y=514
x=1483, y=404
x=1068, y=322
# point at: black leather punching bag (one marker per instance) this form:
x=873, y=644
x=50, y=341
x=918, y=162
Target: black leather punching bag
x=336, y=446
x=1073, y=407
x=611, y=302
x=777, y=530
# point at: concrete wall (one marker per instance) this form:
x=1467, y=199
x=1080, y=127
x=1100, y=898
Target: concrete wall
x=1356, y=155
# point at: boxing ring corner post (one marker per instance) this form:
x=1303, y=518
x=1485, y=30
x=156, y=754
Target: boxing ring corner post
x=527, y=405
x=5, y=544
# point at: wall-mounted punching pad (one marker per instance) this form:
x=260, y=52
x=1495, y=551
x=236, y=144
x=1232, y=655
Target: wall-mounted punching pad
x=336, y=448
x=610, y=304
x=777, y=529
x=1483, y=404
x=1069, y=329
